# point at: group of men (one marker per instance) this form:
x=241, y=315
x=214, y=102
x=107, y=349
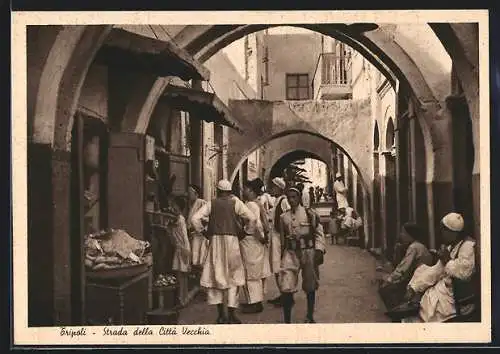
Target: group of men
x=251, y=240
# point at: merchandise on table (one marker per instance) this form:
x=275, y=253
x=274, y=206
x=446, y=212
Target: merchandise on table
x=113, y=249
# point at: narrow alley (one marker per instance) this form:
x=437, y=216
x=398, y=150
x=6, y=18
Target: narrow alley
x=145, y=141
x=347, y=294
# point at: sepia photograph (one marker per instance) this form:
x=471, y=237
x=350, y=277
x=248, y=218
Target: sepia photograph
x=245, y=177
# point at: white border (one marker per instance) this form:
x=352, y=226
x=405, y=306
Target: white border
x=243, y=334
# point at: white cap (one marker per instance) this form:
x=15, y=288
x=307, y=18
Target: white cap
x=338, y=174
x=224, y=185
x=280, y=182
x=454, y=222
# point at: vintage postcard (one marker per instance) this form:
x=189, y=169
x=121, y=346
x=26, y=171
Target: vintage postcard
x=272, y=177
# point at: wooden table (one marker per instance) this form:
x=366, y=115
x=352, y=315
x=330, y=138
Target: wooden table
x=123, y=301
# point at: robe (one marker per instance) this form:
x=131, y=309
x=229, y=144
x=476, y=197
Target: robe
x=182, y=255
x=437, y=303
x=255, y=259
x=340, y=193
x=223, y=267
x=199, y=244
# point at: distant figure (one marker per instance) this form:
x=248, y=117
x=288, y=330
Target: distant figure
x=340, y=191
x=320, y=194
x=306, y=199
x=312, y=198
x=316, y=194
x=300, y=187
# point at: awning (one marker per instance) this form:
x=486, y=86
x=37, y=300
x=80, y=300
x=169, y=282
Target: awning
x=205, y=105
x=132, y=51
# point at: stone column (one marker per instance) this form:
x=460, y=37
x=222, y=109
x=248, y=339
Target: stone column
x=463, y=159
x=376, y=202
x=126, y=173
x=350, y=183
x=367, y=221
x=413, y=169
x=49, y=236
x=196, y=138
x=354, y=190
x=442, y=187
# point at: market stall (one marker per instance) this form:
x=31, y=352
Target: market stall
x=118, y=278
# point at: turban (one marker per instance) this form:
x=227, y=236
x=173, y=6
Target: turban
x=224, y=185
x=453, y=222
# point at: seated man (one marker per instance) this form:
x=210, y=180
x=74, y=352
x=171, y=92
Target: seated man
x=435, y=284
x=394, y=285
x=350, y=224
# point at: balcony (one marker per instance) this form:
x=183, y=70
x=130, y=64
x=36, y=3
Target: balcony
x=332, y=77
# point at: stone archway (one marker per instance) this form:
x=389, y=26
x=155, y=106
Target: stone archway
x=197, y=38
x=276, y=148
x=59, y=57
x=53, y=98
x=281, y=162
x=317, y=137
x=342, y=123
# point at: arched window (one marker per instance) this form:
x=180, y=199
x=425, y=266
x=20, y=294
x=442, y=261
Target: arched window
x=376, y=138
x=389, y=135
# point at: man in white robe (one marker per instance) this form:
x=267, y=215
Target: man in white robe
x=280, y=206
x=254, y=253
x=223, y=271
x=199, y=244
x=457, y=260
x=340, y=192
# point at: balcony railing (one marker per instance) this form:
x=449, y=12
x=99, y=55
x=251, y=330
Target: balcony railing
x=332, y=77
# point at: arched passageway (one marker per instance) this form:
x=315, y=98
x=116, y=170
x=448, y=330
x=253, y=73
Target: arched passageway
x=59, y=58
x=291, y=157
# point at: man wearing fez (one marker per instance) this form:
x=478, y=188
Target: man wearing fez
x=303, y=244
x=229, y=220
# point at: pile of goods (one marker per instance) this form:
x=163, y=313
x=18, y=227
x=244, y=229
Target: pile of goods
x=114, y=249
x=165, y=280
